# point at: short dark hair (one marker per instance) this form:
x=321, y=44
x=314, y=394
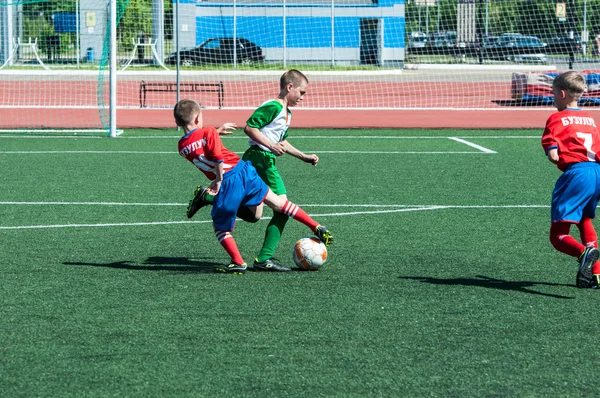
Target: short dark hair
x=572, y=82
x=185, y=111
x=293, y=76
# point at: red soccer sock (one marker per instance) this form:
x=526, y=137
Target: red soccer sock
x=563, y=242
x=587, y=232
x=298, y=214
x=589, y=237
x=596, y=268
x=226, y=240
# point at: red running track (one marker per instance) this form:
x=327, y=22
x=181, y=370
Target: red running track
x=303, y=118
x=499, y=111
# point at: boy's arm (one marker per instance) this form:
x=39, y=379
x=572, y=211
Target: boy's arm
x=215, y=185
x=553, y=155
x=549, y=144
x=291, y=150
x=551, y=148
x=276, y=147
x=214, y=152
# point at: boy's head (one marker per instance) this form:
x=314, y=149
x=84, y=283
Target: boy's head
x=292, y=86
x=568, y=87
x=188, y=114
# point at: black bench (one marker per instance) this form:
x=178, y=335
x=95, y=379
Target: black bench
x=183, y=88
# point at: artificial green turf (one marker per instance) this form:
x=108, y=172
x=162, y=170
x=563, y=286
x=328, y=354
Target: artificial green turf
x=454, y=302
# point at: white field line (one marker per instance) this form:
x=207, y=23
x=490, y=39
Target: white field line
x=472, y=145
x=478, y=147
x=504, y=137
x=307, y=108
x=90, y=204
x=400, y=210
x=370, y=205
x=299, y=137
x=88, y=152
x=198, y=222
x=175, y=153
x=102, y=225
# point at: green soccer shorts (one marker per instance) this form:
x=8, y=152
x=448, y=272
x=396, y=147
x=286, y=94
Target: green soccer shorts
x=264, y=163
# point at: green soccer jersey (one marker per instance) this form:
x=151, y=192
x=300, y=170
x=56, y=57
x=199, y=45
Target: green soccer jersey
x=273, y=120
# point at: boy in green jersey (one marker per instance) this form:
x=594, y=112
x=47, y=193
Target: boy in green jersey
x=267, y=136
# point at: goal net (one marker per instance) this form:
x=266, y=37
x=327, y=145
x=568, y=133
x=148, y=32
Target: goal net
x=54, y=65
x=358, y=54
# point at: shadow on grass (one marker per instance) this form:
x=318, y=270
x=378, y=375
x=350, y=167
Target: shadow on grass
x=176, y=264
x=484, y=281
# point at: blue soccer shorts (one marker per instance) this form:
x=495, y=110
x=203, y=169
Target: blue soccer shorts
x=241, y=186
x=576, y=193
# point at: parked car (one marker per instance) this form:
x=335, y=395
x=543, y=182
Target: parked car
x=218, y=51
x=489, y=41
x=516, y=47
x=521, y=44
x=441, y=41
x=417, y=42
x=563, y=45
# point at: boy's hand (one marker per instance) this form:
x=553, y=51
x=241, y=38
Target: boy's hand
x=553, y=155
x=312, y=159
x=277, y=148
x=214, y=188
x=224, y=129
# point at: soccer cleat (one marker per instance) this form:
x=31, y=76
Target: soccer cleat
x=595, y=281
x=232, y=268
x=324, y=235
x=198, y=202
x=269, y=265
x=584, y=275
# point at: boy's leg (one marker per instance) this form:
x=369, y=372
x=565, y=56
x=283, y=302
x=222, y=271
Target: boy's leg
x=562, y=241
x=279, y=204
x=225, y=205
x=201, y=198
x=272, y=236
x=588, y=234
x=587, y=256
x=573, y=198
x=268, y=173
x=247, y=214
x=589, y=237
x=237, y=266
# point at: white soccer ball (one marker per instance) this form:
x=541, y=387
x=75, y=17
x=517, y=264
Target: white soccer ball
x=310, y=253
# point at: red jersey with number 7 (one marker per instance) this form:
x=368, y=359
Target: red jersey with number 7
x=204, y=148
x=574, y=133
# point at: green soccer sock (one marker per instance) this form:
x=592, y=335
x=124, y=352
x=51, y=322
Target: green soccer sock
x=209, y=199
x=272, y=235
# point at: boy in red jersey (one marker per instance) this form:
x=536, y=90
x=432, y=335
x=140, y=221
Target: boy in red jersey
x=571, y=141
x=234, y=183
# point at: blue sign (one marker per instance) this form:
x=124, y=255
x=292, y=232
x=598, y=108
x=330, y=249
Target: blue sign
x=65, y=22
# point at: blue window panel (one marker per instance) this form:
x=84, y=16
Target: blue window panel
x=264, y=31
x=394, y=32
x=347, y=32
x=313, y=32
x=308, y=32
